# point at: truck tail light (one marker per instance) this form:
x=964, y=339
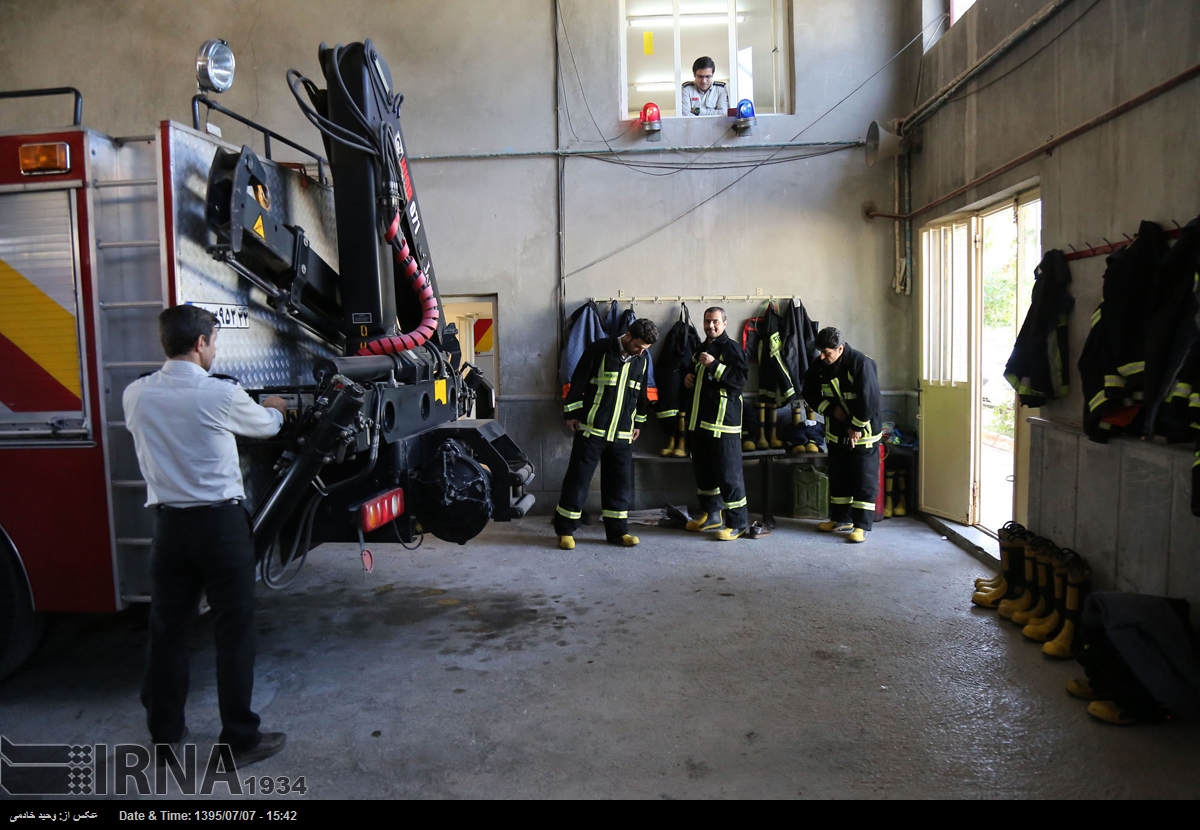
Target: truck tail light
x=45, y=159
x=382, y=509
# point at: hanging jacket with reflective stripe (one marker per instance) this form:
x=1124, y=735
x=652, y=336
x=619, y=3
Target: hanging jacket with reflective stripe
x=674, y=362
x=608, y=394
x=716, y=405
x=775, y=385
x=1113, y=362
x=853, y=384
x=1172, y=332
x=1038, y=367
x=584, y=328
x=798, y=336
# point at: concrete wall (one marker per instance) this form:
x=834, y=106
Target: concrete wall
x=1123, y=506
x=493, y=85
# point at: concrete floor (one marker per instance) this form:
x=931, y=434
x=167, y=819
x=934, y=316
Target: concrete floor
x=792, y=666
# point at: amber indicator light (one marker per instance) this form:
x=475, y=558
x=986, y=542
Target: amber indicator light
x=45, y=159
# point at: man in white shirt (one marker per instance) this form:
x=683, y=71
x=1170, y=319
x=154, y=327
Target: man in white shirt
x=703, y=96
x=183, y=424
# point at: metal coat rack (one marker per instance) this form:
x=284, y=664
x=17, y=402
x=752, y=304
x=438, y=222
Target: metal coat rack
x=701, y=298
x=1110, y=247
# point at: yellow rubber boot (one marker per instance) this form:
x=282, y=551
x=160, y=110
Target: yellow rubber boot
x=773, y=429
x=728, y=534
x=831, y=526
x=888, y=484
x=1109, y=712
x=704, y=523
x=670, y=448
x=761, y=443
x=857, y=535
x=566, y=542
x=629, y=541
x=901, y=503
x=1080, y=688
x=681, y=438
x=1067, y=644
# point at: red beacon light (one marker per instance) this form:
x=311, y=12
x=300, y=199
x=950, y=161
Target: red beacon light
x=652, y=122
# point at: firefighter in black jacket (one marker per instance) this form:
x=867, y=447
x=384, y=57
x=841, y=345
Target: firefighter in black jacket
x=715, y=423
x=844, y=387
x=605, y=407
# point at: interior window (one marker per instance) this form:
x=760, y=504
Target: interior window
x=747, y=40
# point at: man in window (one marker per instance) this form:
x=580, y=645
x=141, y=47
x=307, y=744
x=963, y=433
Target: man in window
x=703, y=96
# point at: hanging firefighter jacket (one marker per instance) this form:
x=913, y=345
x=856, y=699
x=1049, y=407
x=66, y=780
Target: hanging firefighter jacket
x=1171, y=333
x=1038, y=367
x=585, y=327
x=798, y=339
x=673, y=364
x=1113, y=363
x=775, y=385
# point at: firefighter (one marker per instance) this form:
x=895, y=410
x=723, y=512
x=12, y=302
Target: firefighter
x=715, y=424
x=607, y=403
x=183, y=424
x=844, y=387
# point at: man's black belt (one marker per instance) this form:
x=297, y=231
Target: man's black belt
x=225, y=503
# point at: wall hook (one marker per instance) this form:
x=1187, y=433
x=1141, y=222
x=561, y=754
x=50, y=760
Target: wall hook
x=1106, y=242
x=1176, y=224
x=1072, y=247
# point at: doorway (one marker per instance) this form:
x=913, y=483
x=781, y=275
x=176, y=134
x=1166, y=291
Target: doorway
x=475, y=319
x=977, y=280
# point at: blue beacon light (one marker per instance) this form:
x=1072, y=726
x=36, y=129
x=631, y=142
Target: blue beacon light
x=745, y=116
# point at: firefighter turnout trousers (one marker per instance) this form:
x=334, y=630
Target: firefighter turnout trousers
x=717, y=461
x=616, y=485
x=853, y=483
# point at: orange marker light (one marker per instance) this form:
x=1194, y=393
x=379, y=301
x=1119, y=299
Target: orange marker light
x=45, y=159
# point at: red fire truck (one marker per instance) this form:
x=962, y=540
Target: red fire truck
x=328, y=298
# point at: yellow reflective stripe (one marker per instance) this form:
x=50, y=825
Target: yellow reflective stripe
x=721, y=408
x=1114, y=380
x=570, y=514
x=840, y=500
x=615, y=514
x=1105, y=425
x=720, y=370
x=863, y=505
x=1099, y=398
x=868, y=440
x=639, y=419
x=571, y=407
x=616, y=416
x=590, y=431
x=666, y=413
x=1096, y=316
x=1132, y=368
x=716, y=491
x=850, y=396
x=1196, y=463
x=627, y=437
x=603, y=378
x=1182, y=390
x=734, y=505
x=717, y=429
x=696, y=398
x=821, y=406
x=859, y=423
x=633, y=384
x=1194, y=400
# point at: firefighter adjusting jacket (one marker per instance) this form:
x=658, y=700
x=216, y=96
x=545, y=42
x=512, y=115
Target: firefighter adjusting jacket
x=609, y=391
x=717, y=395
x=853, y=384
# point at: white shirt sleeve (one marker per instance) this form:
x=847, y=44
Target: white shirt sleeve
x=251, y=419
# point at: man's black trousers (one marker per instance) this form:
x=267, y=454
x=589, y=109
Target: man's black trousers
x=853, y=483
x=199, y=549
x=616, y=485
x=720, y=485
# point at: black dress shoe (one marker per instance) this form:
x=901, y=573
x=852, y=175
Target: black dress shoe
x=270, y=744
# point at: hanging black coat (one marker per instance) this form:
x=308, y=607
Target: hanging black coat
x=775, y=384
x=1038, y=368
x=672, y=365
x=798, y=340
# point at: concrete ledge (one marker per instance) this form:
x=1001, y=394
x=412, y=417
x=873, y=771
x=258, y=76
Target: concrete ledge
x=968, y=538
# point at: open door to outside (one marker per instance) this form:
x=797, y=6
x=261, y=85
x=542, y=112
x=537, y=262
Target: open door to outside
x=949, y=415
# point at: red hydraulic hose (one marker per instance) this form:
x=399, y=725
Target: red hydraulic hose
x=421, y=286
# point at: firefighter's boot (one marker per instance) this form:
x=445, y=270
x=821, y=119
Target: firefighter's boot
x=773, y=429
x=728, y=534
x=1080, y=688
x=670, y=448
x=1066, y=645
x=857, y=535
x=681, y=438
x=761, y=443
x=1022, y=572
x=1046, y=627
x=566, y=542
x=626, y=541
x=888, y=486
x=1109, y=712
x=797, y=415
x=1043, y=583
x=831, y=526
x=900, y=505
x=703, y=522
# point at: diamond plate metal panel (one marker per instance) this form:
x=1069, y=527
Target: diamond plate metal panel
x=274, y=350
